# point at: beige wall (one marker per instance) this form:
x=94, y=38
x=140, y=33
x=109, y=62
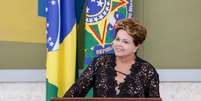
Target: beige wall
x=22, y=35
x=19, y=55
x=19, y=21
x=174, y=32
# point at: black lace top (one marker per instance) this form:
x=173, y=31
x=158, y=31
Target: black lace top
x=143, y=81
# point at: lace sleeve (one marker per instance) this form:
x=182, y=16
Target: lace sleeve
x=81, y=87
x=153, y=87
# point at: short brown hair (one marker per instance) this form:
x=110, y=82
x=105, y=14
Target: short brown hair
x=133, y=28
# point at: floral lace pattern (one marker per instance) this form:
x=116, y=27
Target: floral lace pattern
x=143, y=81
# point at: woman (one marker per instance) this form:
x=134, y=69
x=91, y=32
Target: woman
x=122, y=74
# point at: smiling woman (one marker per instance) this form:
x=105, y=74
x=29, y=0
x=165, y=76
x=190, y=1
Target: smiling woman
x=20, y=22
x=122, y=73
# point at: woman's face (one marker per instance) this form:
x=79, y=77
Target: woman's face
x=123, y=44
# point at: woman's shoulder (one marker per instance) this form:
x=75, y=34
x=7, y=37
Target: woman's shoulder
x=146, y=66
x=103, y=57
x=101, y=60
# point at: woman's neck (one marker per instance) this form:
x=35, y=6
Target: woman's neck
x=130, y=59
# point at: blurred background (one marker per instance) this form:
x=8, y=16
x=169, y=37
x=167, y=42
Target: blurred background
x=172, y=46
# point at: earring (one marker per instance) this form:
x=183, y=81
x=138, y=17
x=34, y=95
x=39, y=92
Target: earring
x=135, y=50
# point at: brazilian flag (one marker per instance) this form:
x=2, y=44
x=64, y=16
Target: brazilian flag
x=61, y=46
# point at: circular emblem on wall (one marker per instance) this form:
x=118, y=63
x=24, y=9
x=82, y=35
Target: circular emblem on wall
x=97, y=10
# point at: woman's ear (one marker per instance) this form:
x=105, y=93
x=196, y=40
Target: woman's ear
x=136, y=48
x=139, y=45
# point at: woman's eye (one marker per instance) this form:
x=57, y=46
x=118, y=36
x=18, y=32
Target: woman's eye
x=125, y=42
